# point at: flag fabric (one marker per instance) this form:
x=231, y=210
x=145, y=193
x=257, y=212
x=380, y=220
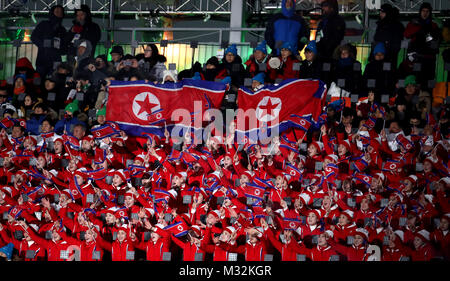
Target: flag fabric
x=97, y=174
x=6, y=123
x=391, y=165
x=364, y=178
x=291, y=224
x=272, y=106
x=161, y=195
x=71, y=142
x=104, y=131
x=331, y=172
x=139, y=107
x=291, y=170
x=263, y=183
x=301, y=122
x=254, y=191
x=178, y=229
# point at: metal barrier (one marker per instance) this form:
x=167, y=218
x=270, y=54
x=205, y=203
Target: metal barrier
x=178, y=51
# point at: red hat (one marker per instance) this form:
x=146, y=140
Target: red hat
x=67, y=193
x=315, y=212
x=215, y=213
x=88, y=138
x=430, y=160
x=412, y=179
x=121, y=174
x=197, y=230
x=140, y=157
x=82, y=173
x=332, y=157
x=129, y=193
x=305, y=198
x=58, y=139
x=346, y=143
x=22, y=173
x=111, y=210
x=423, y=234
x=362, y=232
x=348, y=214
x=230, y=229
x=318, y=145
x=123, y=227
x=249, y=174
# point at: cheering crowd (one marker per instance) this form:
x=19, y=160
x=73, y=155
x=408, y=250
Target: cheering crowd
x=369, y=180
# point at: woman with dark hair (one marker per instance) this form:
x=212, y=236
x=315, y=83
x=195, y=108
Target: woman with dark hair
x=152, y=65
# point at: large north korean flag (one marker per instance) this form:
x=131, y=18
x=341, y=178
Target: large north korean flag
x=293, y=103
x=140, y=107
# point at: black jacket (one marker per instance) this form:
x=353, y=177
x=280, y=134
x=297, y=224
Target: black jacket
x=333, y=29
x=89, y=31
x=390, y=32
x=46, y=36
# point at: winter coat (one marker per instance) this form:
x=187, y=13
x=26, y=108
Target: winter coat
x=286, y=27
x=49, y=36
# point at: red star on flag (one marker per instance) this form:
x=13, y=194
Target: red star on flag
x=268, y=108
x=146, y=105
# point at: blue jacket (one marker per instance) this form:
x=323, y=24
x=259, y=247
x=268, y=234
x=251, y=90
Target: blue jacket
x=67, y=124
x=34, y=123
x=286, y=26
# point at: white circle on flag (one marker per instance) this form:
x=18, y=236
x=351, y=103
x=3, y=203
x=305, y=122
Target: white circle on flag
x=75, y=192
x=180, y=227
x=302, y=122
x=257, y=192
x=144, y=104
x=292, y=224
x=268, y=109
x=292, y=173
x=392, y=166
x=366, y=179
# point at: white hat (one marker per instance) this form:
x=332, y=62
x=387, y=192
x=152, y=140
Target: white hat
x=400, y=234
x=169, y=73
x=230, y=229
x=424, y=235
x=362, y=232
x=330, y=233
x=83, y=44
x=305, y=198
